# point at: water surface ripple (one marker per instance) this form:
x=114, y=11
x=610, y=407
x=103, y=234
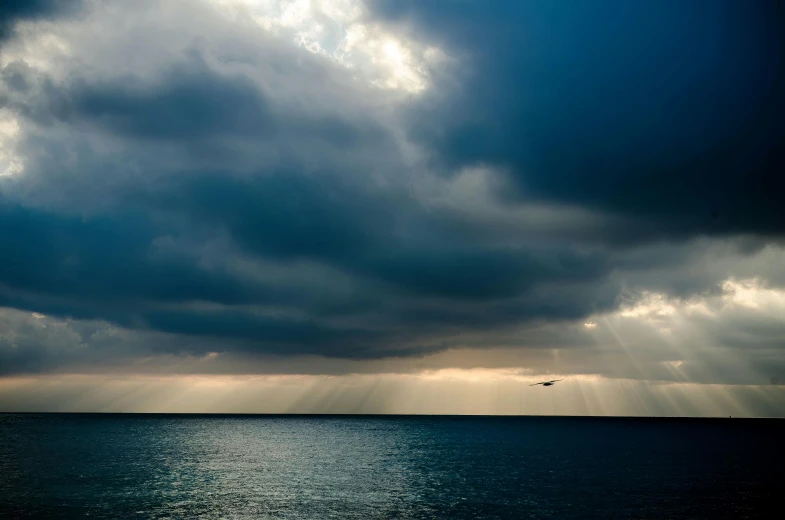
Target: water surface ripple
x=183, y=466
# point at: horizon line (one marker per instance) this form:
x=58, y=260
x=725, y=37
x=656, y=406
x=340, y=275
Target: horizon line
x=396, y=415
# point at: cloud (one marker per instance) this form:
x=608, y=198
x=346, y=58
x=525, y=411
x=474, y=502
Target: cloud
x=14, y=10
x=666, y=114
x=732, y=338
x=386, y=191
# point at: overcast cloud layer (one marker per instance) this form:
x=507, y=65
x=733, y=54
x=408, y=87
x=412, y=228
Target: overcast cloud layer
x=235, y=186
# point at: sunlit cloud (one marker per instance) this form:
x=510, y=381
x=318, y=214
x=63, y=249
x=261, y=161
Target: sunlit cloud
x=649, y=306
x=750, y=293
x=43, y=46
x=10, y=162
x=341, y=31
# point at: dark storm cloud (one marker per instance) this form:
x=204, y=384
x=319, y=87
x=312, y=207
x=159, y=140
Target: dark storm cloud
x=273, y=335
x=377, y=235
x=669, y=113
x=191, y=102
x=112, y=268
x=286, y=215
x=101, y=260
x=14, y=10
x=242, y=195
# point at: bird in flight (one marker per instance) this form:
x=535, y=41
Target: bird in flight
x=546, y=383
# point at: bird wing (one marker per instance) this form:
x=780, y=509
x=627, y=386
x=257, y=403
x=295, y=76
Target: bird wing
x=543, y=382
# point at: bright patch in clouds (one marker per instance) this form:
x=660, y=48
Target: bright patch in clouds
x=341, y=31
x=44, y=46
x=10, y=163
x=752, y=293
x=749, y=293
x=650, y=306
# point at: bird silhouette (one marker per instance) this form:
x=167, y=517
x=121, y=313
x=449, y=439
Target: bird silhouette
x=546, y=383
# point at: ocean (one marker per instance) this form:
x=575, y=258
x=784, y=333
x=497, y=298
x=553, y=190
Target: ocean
x=313, y=467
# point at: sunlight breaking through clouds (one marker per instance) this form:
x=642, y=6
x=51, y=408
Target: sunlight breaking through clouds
x=341, y=31
x=41, y=45
x=352, y=194
x=10, y=162
x=460, y=392
x=750, y=293
x=731, y=336
x=724, y=338
x=754, y=294
x=670, y=374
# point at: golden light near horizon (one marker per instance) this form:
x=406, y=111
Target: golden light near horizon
x=467, y=392
x=484, y=380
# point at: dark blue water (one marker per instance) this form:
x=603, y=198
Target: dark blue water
x=170, y=466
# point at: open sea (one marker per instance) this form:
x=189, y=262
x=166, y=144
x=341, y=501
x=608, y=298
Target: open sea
x=224, y=466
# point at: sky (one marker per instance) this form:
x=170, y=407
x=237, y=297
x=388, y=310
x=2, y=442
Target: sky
x=392, y=206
